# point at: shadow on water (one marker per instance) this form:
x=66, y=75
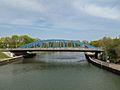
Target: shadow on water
x=49, y=61
x=55, y=61
x=56, y=57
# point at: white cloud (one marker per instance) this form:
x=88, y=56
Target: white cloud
x=21, y=12
x=54, y=13
x=29, y=5
x=98, y=10
x=21, y=22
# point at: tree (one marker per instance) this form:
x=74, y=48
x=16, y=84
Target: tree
x=94, y=43
x=117, y=51
x=15, y=41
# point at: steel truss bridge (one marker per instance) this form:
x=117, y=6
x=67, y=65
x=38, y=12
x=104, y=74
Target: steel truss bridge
x=54, y=45
x=57, y=43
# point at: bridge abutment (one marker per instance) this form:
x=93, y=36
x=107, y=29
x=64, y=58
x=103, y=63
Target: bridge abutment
x=96, y=55
x=25, y=54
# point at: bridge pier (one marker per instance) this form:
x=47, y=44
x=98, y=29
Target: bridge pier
x=96, y=55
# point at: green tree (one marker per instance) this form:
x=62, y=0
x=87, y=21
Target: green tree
x=110, y=46
x=15, y=41
x=94, y=43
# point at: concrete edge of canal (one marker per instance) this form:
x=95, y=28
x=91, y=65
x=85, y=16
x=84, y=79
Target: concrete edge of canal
x=11, y=60
x=114, y=68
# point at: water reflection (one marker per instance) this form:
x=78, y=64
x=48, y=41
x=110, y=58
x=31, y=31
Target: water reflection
x=64, y=57
x=54, y=71
x=49, y=61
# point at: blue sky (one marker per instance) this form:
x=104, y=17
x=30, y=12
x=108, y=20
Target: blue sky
x=63, y=19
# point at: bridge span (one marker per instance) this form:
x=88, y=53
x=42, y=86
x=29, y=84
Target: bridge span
x=52, y=50
x=54, y=46
x=26, y=51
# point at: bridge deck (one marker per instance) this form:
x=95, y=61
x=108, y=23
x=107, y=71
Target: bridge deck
x=53, y=50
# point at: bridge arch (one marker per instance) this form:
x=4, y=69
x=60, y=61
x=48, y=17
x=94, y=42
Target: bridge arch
x=57, y=43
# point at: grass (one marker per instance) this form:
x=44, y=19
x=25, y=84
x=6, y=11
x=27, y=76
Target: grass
x=3, y=56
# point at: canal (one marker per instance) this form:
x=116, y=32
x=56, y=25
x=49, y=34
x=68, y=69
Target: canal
x=56, y=71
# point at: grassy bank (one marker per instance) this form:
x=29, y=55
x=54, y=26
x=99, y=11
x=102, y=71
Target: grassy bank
x=3, y=56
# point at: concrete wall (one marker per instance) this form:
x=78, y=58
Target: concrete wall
x=9, y=54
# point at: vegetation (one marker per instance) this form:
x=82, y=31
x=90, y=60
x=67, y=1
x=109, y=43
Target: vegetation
x=111, y=47
x=15, y=41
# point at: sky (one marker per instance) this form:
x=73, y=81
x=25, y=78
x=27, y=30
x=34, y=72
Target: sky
x=60, y=19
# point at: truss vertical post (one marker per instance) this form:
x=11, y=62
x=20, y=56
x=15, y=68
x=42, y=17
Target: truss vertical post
x=60, y=44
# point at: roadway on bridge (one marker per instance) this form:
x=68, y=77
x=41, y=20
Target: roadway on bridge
x=53, y=50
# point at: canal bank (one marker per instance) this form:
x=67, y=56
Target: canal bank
x=115, y=68
x=10, y=60
x=8, y=57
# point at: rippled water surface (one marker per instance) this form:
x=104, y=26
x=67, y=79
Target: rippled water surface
x=56, y=71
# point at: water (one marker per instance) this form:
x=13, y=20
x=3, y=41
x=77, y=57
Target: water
x=57, y=71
